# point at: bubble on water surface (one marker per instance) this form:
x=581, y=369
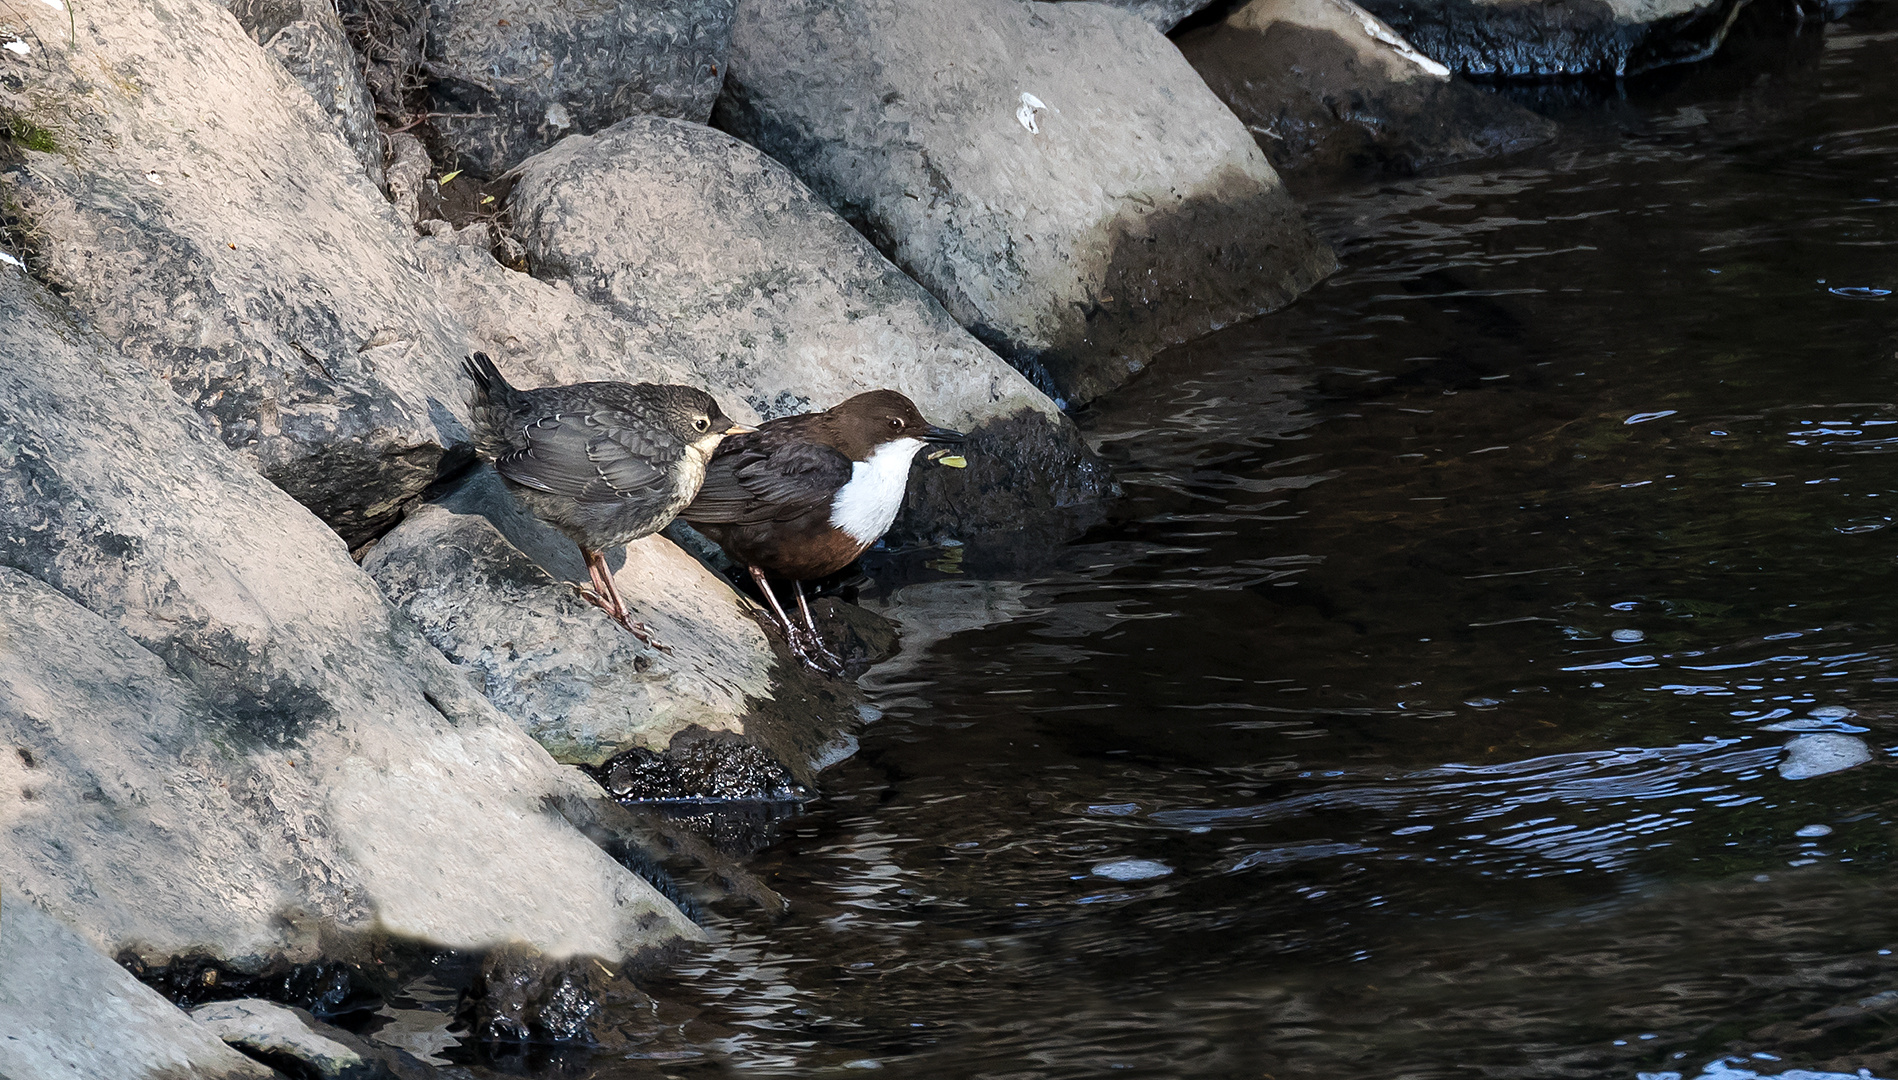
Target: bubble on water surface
x=1859, y=292
x=1814, y=830
x=1817, y=755
x=1644, y=417
x=1831, y=712
x=1132, y=870
x=1628, y=635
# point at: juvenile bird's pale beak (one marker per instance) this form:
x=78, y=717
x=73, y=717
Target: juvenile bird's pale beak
x=738, y=429
x=943, y=435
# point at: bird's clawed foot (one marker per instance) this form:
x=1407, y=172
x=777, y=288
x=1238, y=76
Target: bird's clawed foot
x=810, y=648
x=605, y=597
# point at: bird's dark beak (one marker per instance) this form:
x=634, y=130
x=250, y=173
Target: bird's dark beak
x=943, y=436
x=738, y=429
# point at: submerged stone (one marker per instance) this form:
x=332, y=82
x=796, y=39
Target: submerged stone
x=1537, y=39
x=1819, y=755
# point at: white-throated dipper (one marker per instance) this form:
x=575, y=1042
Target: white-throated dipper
x=803, y=496
x=604, y=462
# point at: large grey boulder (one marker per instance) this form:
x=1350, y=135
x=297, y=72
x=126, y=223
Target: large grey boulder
x=719, y=256
x=489, y=585
x=1325, y=86
x=512, y=77
x=68, y=1013
x=207, y=218
x=219, y=738
x=307, y=37
x=1162, y=15
x=1055, y=174
x=1538, y=39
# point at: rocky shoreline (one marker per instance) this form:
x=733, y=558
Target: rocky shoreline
x=289, y=687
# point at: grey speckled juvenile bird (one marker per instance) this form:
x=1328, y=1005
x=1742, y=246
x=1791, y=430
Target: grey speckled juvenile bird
x=604, y=462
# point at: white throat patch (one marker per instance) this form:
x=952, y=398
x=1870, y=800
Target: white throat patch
x=866, y=505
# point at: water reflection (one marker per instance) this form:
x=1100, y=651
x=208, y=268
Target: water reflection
x=1433, y=708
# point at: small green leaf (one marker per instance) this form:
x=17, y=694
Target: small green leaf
x=443, y=182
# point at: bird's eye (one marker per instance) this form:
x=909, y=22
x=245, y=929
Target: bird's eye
x=896, y=423
x=702, y=424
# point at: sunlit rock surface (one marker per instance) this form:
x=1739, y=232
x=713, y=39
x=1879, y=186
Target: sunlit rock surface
x=1541, y=38
x=1324, y=85
x=219, y=738
x=512, y=77
x=307, y=37
x=66, y=1011
x=720, y=256
x=1055, y=174
x=1163, y=15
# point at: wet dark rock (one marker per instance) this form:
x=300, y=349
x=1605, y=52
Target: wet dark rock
x=67, y=1011
x=1538, y=39
x=307, y=37
x=329, y=989
x=1072, y=193
x=220, y=739
x=205, y=218
x=523, y=996
x=512, y=77
x=985, y=505
x=298, y=1045
x=1325, y=87
x=701, y=768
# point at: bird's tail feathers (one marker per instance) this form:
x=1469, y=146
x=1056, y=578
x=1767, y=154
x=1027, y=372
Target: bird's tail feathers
x=487, y=378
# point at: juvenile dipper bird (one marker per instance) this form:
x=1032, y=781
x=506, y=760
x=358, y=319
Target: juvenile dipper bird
x=604, y=462
x=803, y=496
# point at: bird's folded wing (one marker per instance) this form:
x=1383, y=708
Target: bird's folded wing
x=596, y=456
x=755, y=484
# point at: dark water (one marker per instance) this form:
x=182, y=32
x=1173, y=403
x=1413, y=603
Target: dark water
x=1442, y=661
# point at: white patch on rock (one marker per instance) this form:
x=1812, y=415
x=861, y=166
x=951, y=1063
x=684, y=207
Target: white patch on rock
x=56, y=5
x=866, y=505
x=1026, y=114
x=1375, y=27
x=17, y=47
x=11, y=261
x=557, y=116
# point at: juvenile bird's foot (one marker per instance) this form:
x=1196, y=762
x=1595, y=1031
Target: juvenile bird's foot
x=619, y=614
x=811, y=649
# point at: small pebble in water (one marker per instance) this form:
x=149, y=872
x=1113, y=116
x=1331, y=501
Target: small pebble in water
x=1817, y=755
x=1628, y=635
x=1814, y=830
x=1132, y=870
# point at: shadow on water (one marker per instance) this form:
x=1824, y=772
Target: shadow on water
x=1423, y=712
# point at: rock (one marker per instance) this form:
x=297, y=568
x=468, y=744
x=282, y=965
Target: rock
x=1162, y=15
x=296, y=1043
x=520, y=996
x=407, y=174
x=515, y=76
x=216, y=737
x=207, y=220
x=1324, y=85
x=1536, y=39
x=68, y=1012
x=1055, y=174
x=705, y=769
x=1817, y=755
x=721, y=257
x=307, y=37
x=489, y=586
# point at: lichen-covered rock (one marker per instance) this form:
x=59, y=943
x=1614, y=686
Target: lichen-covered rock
x=1055, y=174
x=1539, y=39
x=1325, y=86
x=216, y=737
x=307, y=37
x=723, y=258
x=512, y=77
x=68, y=1012
x=202, y=214
x=489, y=585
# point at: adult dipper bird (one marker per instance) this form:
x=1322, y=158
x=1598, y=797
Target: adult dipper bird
x=604, y=462
x=803, y=496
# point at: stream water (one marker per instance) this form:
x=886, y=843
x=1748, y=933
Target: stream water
x=1423, y=711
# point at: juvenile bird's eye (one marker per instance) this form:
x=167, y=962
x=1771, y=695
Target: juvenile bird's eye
x=896, y=423
x=702, y=424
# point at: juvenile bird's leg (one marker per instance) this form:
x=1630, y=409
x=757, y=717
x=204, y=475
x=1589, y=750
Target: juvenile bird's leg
x=805, y=646
x=605, y=596
x=804, y=608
